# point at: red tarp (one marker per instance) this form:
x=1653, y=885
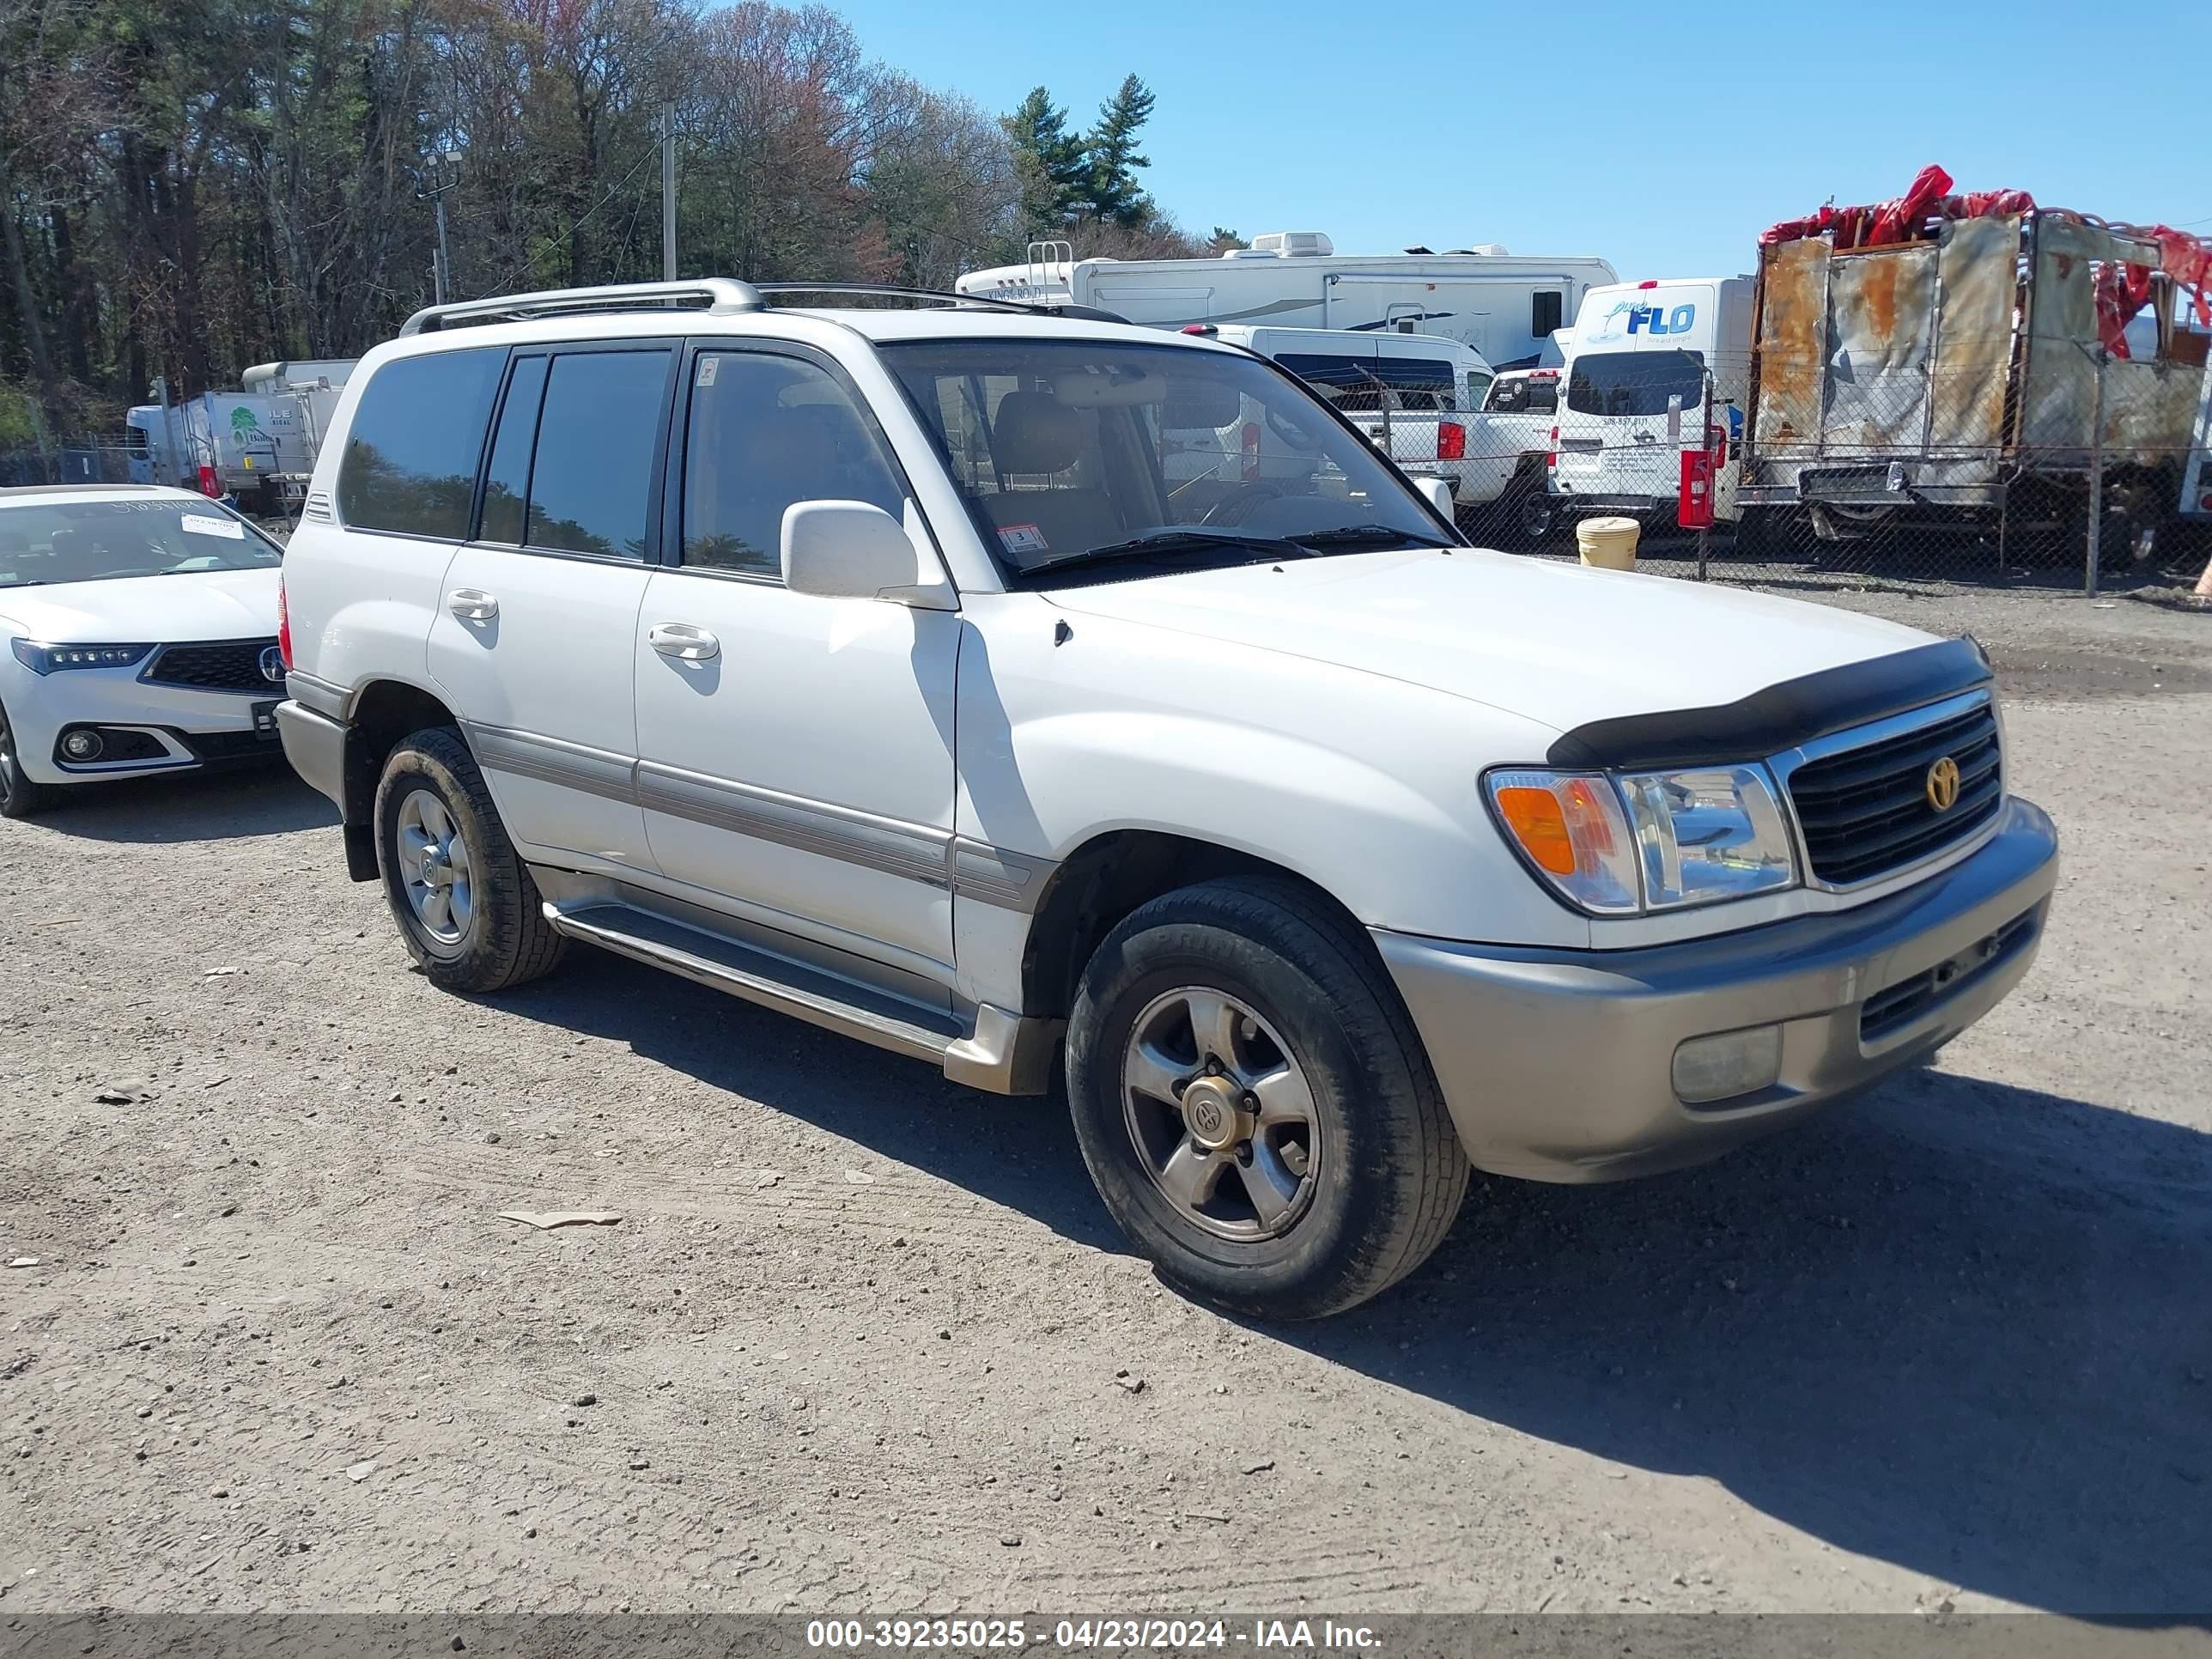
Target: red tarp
x=2122, y=289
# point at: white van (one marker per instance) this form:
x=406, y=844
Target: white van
x=1637, y=373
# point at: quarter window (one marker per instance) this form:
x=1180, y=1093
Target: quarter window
x=418, y=435
x=507, y=481
x=766, y=432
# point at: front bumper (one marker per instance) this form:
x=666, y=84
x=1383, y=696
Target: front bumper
x=190, y=728
x=1558, y=1065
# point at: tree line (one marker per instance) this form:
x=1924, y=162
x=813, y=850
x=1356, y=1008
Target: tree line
x=191, y=186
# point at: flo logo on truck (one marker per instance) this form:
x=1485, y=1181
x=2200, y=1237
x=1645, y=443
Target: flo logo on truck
x=244, y=427
x=1629, y=317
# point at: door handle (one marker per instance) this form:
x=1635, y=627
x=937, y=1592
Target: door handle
x=683, y=641
x=472, y=605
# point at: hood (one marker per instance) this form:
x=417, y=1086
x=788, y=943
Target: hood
x=192, y=604
x=1560, y=644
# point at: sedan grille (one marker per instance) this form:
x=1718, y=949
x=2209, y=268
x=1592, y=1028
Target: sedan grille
x=1867, y=811
x=220, y=665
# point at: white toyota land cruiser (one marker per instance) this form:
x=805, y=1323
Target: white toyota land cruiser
x=870, y=664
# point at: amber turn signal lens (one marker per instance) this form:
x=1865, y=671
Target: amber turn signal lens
x=1540, y=825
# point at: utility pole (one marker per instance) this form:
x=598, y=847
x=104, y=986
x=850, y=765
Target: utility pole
x=444, y=175
x=668, y=188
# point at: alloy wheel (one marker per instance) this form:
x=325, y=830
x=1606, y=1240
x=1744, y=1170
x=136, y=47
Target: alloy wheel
x=435, y=867
x=1221, y=1114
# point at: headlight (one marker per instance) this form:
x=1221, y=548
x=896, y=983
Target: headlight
x=1659, y=841
x=52, y=659
x=1714, y=833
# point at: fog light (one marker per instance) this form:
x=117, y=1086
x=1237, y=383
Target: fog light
x=82, y=745
x=1719, y=1067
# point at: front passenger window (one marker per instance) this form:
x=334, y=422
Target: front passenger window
x=765, y=432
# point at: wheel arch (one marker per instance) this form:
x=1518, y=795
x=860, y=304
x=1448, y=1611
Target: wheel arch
x=1112, y=873
x=378, y=713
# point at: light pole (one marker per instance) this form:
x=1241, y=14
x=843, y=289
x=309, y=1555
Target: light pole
x=443, y=174
x=668, y=188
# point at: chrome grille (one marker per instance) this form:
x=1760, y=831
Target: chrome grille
x=218, y=665
x=1864, y=811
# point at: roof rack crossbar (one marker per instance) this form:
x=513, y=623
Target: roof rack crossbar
x=985, y=301
x=724, y=296
x=893, y=291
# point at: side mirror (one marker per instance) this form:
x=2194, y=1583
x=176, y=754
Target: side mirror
x=1438, y=492
x=850, y=551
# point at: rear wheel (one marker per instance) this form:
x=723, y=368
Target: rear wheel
x=20, y=795
x=464, y=901
x=1254, y=1104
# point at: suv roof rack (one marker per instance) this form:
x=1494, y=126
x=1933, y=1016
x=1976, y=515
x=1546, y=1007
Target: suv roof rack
x=724, y=296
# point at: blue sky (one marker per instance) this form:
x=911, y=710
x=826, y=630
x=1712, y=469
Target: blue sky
x=1663, y=136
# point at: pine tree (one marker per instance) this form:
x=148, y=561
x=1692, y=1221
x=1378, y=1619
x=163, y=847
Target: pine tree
x=1051, y=164
x=1116, y=198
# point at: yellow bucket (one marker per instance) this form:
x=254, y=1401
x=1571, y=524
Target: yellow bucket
x=1609, y=543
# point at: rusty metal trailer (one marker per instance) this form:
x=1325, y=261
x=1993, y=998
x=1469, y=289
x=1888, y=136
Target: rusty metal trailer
x=1964, y=373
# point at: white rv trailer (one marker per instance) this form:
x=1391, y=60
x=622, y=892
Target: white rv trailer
x=1505, y=306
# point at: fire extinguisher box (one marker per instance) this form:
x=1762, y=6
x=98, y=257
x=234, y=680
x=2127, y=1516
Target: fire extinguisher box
x=1693, y=503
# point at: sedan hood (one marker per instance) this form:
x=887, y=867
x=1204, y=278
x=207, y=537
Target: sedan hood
x=192, y=604
x=1560, y=644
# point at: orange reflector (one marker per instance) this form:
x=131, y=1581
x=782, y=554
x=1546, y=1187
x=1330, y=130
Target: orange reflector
x=1540, y=825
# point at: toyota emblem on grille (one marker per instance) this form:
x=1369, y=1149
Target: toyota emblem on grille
x=272, y=670
x=1942, y=785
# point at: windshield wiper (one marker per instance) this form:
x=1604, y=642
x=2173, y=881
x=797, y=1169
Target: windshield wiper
x=1171, y=541
x=1360, y=535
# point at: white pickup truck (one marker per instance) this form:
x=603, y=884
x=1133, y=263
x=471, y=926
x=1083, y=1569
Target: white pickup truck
x=871, y=664
x=1417, y=397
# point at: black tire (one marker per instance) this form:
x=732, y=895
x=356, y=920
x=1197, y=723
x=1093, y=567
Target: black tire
x=1390, y=1174
x=1537, y=518
x=507, y=940
x=20, y=795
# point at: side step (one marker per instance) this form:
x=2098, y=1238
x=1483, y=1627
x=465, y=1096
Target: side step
x=1001, y=1052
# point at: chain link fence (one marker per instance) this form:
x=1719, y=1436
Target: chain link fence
x=2090, y=475
x=102, y=461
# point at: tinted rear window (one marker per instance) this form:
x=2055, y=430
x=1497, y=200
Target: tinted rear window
x=1635, y=382
x=412, y=453
x=1357, y=383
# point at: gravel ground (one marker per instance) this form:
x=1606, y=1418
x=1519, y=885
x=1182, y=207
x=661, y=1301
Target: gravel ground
x=866, y=1341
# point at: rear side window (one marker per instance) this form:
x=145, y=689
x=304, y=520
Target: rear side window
x=591, y=483
x=1523, y=396
x=1635, y=382
x=417, y=433
x=1547, y=311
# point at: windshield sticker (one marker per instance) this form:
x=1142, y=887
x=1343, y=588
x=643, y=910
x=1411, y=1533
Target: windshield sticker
x=196, y=524
x=708, y=368
x=1022, y=538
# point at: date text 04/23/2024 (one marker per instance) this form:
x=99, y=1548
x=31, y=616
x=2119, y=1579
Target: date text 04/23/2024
x=1108, y=1634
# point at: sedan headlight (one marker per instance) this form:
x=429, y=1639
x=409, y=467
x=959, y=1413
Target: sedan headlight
x=42, y=659
x=1623, y=845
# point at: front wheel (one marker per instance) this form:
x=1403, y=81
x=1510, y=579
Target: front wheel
x=21, y=796
x=1254, y=1105
x=464, y=901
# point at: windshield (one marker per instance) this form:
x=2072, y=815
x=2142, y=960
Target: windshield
x=1065, y=447
x=98, y=541
x=1635, y=382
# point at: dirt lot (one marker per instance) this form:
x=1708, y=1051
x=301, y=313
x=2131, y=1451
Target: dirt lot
x=866, y=1341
